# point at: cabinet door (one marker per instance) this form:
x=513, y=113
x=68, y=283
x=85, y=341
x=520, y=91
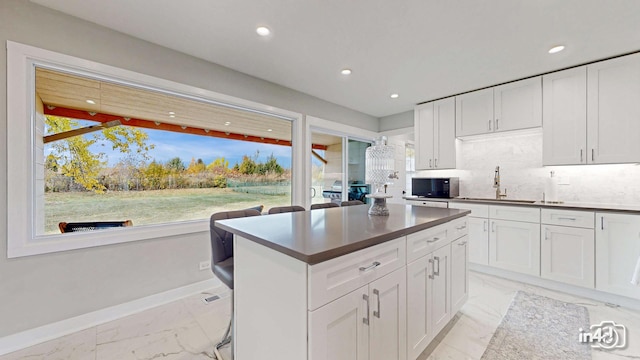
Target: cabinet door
x=617, y=252
x=459, y=273
x=479, y=240
x=515, y=246
x=419, y=333
x=567, y=255
x=613, y=110
x=564, y=114
x=424, y=124
x=339, y=329
x=440, y=293
x=518, y=105
x=474, y=113
x=445, y=134
x=388, y=314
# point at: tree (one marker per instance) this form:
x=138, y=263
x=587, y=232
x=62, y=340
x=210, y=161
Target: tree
x=196, y=166
x=175, y=164
x=271, y=166
x=219, y=164
x=75, y=160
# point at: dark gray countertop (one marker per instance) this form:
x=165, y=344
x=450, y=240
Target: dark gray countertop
x=564, y=205
x=319, y=235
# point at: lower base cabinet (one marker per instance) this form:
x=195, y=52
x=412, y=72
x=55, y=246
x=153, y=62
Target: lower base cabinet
x=617, y=252
x=366, y=324
x=479, y=240
x=430, y=289
x=567, y=255
x=515, y=246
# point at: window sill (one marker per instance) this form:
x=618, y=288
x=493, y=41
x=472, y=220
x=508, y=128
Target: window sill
x=71, y=241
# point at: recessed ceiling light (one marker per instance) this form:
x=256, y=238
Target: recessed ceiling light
x=263, y=31
x=172, y=116
x=269, y=129
x=556, y=49
x=227, y=123
x=394, y=96
x=345, y=72
x=171, y=113
x=91, y=102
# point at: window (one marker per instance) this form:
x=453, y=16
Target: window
x=410, y=165
x=101, y=148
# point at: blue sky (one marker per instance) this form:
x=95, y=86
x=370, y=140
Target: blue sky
x=186, y=146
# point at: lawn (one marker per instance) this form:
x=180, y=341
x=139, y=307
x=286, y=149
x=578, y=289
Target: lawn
x=150, y=207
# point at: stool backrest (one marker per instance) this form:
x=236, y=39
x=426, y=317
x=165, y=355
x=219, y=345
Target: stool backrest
x=285, y=209
x=324, y=205
x=221, y=240
x=351, y=203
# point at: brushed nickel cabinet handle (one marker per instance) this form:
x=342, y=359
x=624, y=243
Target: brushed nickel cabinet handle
x=489, y=124
x=497, y=123
x=370, y=267
x=437, y=272
x=435, y=163
x=485, y=225
x=462, y=243
x=580, y=155
x=429, y=163
x=593, y=156
x=493, y=226
x=377, y=294
x=365, y=320
x=432, y=269
x=433, y=240
x=461, y=227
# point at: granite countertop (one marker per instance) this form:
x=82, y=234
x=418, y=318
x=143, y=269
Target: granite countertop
x=323, y=234
x=563, y=205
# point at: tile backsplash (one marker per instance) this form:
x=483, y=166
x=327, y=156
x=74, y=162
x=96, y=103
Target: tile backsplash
x=519, y=156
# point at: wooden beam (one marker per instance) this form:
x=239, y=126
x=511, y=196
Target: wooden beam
x=148, y=124
x=317, y=156
x=80, y=131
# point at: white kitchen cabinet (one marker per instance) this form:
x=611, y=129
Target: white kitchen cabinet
x=388, y=317
x=512, y=106
x=435, y=135
x=459, y=273
x=479, y=240
x=515, y=246
x=339, y=330
x=474, y=113
x=440, y=293
x=565, y=117
x=591, y=113
x=366, y=324
x=518, y=105
x=567, y=255
x=613, y=110
x=419, y=333
x=617, y=251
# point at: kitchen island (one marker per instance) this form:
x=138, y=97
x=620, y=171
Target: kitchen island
x=339, y=284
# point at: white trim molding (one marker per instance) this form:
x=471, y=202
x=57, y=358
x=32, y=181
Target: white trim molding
x=23, y=239
x=24, y=339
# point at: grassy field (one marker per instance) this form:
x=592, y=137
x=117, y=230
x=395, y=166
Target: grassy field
x=150, y=207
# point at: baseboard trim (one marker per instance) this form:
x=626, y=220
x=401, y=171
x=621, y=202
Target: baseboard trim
x=24, y=339
x=561, y=287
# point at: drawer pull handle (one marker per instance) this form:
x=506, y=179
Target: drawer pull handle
x=432, y=269
x=366, y=319
x=377, y=294
x=370, y=267
x=433, y=240
x=461, y=227
x=566, y=218
x=485, y=225
x=437, y=272
x=462, y=243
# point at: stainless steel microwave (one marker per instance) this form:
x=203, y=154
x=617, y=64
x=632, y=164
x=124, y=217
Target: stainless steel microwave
x=435, y=187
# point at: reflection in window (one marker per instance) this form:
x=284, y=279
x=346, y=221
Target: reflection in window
x=410, y=165
x=110, y=152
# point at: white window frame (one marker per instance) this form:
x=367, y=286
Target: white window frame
x=347, y=133
x=22, y=239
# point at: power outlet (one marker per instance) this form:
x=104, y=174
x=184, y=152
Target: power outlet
x=205, y=265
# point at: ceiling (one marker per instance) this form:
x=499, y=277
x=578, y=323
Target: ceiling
x=420, y=49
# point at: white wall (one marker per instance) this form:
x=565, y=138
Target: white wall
x=519, y=155
x=397, y=121
x=38, y=290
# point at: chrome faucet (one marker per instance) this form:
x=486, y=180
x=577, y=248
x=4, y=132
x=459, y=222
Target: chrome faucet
x=496, y=184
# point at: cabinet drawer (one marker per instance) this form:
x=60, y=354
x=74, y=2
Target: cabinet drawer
x=584, y=219
x=427, y=203
x=336, y=277
x=426, y=241
x=477, y=210
x=515, y=213
x=459, y=228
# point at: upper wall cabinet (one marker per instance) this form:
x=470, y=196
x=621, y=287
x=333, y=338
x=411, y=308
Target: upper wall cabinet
x=512, y=106
x=592, y=113
x=613, y=110
x=565, y=117
x=435, y=135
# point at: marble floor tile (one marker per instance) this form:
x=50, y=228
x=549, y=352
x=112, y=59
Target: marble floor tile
x=212, y=317
x=446, y=352
x=80, y=345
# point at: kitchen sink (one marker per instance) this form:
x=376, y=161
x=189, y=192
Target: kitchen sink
x=500, y=200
